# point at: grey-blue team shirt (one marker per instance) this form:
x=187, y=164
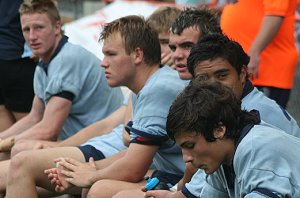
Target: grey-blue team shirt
x=266, y=164
x=150, y=109
x=74, y=70
x=269, y=111
x=112, y=142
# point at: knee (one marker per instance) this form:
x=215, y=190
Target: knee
x=97, y=189
x=15, y=149
x=19, y=163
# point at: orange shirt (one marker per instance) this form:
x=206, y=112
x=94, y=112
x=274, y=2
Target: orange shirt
x=241, y=21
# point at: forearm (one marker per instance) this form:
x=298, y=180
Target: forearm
x=120, y=170
x=40, y=131
x=19, y=127
x=101, y=127
x=268, y=30
x=127, y=165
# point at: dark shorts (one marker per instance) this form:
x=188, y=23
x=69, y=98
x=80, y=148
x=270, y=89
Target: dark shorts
x=281, y=96
x=167, y=177
x=90, y=151
x=16, y=84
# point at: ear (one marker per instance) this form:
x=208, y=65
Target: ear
x=57, y=27
x=138, y=56
x=243, y=75
x=220, y=131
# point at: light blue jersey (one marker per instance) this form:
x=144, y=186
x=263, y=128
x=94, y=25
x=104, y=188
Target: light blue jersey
x=269, y=111
x=150, y=109
x=264, y=166
x=112, y=142
x=75, y=70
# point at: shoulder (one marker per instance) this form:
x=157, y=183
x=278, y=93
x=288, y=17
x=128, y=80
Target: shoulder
x=270, y=112
x=263, y=147
x=165, y=81
x=74, y=53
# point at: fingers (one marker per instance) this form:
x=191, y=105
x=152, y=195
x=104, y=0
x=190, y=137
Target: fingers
x=66, y=173
x=60, y=189
x=67, y=163
x=166, y=59
x=50, y=170
x=92, y=162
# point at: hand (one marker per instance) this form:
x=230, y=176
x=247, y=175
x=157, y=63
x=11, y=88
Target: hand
x=40, y=145
x=25, y=144
x=166, y=59
x=190, y=170
x=56, y=178
x=77, y=173
x=60, y=185
x=253, y=65
x=159, y=194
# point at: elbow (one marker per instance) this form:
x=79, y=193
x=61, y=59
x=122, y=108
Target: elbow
x=134, y=176
x=50, y=134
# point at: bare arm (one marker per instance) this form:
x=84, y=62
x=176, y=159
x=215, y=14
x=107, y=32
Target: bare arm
x=126, y=136
x=35, y=115
x=268, y=30
x=190, y=170
x=99, y=128
x=130, y=166
x=48, y=128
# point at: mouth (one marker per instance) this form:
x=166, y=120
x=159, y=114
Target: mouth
x=107, y=74
x=35, y=46
x=181, y=67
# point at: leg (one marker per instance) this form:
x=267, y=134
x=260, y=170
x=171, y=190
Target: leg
x=6, y=118
x=109, y=188
x=3, y=174
x=136, y=193
x=18, y=116
x=26, y=170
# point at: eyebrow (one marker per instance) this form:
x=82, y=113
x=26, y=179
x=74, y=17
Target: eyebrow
x=182, y=145
x=221, y=71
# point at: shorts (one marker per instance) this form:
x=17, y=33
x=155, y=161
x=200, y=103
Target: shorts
x=90, y=151
x=16, y=84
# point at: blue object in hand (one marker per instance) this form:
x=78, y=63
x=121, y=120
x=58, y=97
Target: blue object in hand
x=155, y=184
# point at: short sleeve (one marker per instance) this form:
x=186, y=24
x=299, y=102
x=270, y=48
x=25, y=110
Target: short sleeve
x=276, y=7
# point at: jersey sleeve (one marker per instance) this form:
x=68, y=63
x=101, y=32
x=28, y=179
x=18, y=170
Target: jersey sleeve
x=276, y=7
x=194, y=187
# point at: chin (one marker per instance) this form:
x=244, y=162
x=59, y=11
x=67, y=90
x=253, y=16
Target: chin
x=185, y=76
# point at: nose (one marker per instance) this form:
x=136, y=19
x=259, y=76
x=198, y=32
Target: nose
x=187, y=157
x=32, y=35
x=177, y=54
x=104, y=63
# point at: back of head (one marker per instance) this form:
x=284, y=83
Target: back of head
x=162, y=19
x=214, y=46
x=202, y=107
x=203, y=19
x=48, y=7
x=135, y=33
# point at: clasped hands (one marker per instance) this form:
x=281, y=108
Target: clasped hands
x=69, y=172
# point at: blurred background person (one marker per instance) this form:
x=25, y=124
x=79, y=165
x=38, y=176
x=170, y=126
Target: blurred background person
x=268, y=36
x=16, y=73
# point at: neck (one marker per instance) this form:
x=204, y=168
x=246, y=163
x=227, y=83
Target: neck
x=51, y=51
x=142, y=75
